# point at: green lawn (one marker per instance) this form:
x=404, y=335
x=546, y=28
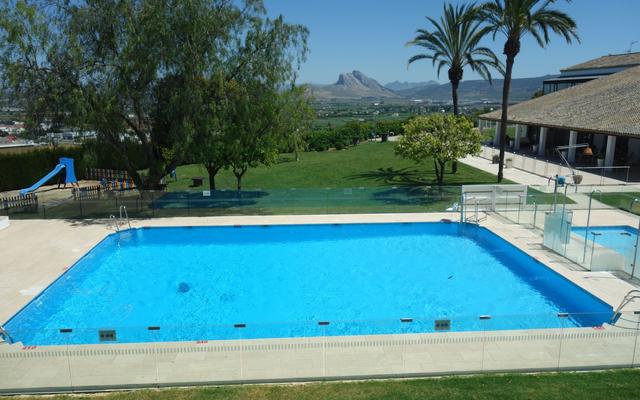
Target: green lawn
x=621, y=200
x=610, y=385
x=367, y=165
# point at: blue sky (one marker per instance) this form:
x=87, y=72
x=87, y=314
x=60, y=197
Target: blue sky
x=369, y=35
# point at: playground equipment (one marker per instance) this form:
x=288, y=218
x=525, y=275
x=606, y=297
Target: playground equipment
x=65, y=165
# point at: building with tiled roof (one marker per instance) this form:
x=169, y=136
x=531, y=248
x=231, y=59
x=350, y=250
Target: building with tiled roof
x=602, y=111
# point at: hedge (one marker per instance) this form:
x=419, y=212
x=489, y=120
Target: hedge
x=20, y=170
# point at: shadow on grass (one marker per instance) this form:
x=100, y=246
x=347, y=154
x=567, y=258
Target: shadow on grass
x=410, y=177
x=392, y=176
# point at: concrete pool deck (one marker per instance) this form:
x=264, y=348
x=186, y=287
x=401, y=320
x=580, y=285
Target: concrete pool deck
x=36, y=252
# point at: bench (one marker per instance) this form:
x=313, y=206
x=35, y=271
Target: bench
x=197, y=181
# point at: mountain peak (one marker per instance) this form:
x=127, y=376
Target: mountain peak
x=354, y=84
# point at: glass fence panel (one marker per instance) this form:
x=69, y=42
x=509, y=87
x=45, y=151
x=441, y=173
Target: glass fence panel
x=521, y=342
x=450, y=345
x=600, y=344
x=27, y=367
x=112, y=360
x=557, y=231
x=251, y=201
x=208, y=354
x=368, y=353
x=124, y=356
x=283, y=351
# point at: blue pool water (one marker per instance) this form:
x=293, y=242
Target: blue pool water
x=280, y=281
x=619, y=238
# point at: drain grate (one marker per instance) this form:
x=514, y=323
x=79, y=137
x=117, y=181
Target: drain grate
x=107, y=335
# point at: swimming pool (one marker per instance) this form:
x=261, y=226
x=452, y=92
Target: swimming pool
x=619, y=238
x=209, y=283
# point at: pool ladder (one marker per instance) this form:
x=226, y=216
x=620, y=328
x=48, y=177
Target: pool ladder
x=123, y=215
x=5, y=335
x=475, y=218
x=123, y=212
x=628, y=298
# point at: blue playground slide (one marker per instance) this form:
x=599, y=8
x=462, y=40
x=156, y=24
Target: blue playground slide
x=64, y=163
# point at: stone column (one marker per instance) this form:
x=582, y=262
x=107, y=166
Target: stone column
x=516, y=140
x=496, y=136
x=542, y=142
x=573, y=140
x=611, y=149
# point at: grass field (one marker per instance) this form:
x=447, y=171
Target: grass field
x=621, y=200
x=370, y=164
x=610, y=385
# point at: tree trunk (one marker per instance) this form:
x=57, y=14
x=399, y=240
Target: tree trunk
x=455, y=83
x=511, y=49
x=454, y=96
x=439, y=167
x=505, y=113
x=238, y=174
x=442, y=167
x=212, y=170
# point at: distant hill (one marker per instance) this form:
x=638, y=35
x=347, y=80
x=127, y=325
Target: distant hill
x=478, y=90
x=356, y=85
x=398, y=86
x=352, y=85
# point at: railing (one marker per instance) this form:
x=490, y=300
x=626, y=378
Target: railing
x=114, y=222
x=28, y=201
x=603, y=172
x=546, y=167
x=243, y=351
x=155, y=204
x=123, y=213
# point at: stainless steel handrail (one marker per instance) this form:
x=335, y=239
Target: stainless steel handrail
x=126, y=214
x=112, y=218
x=628, y=298
x=586, y=232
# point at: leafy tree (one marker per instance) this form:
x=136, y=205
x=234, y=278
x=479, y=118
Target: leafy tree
x=441, y=137
x=454, y=42
x=136, y=69
x=297, y=117
x=516, y=19
x=259, y=108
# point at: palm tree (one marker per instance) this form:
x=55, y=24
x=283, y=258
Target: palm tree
x=454, y=43
x=517, y=19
